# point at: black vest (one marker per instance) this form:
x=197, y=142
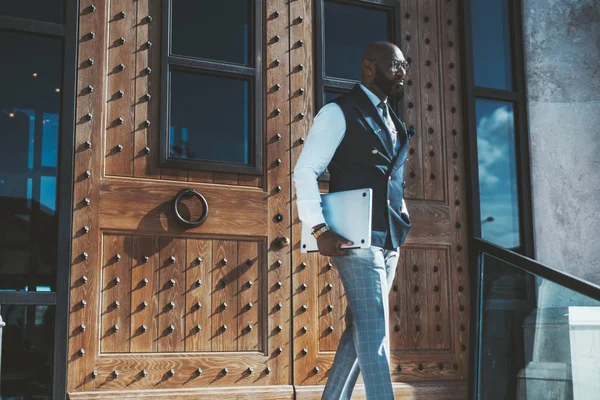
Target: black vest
x=365, y=159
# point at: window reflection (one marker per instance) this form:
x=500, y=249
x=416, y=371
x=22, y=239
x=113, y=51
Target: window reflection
x=497, y=173
x=29, y=127
x=344, y=47
x=536, y=337
x=39, y=10
x=491, y=43
x=331, y=95
x=27, y=356
x=201, y=111
x=212, y=29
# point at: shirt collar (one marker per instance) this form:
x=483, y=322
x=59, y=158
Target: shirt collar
x=372, y=96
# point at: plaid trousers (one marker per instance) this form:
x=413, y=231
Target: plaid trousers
x=367, y=276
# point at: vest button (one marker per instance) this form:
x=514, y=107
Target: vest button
x=404, y=184
x=374, y=151
x=389, y=202
x=389, y=178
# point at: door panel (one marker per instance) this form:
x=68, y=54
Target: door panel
x=162, y=306
x=429, y=300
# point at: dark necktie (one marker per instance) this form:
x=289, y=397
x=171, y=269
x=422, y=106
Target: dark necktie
x=388, y=122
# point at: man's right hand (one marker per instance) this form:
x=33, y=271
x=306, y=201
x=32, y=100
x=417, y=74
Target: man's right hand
x=329, y=244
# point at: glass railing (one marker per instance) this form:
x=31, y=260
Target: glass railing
x=538, y=331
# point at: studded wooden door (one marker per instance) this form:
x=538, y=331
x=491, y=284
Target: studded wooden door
x=429, y=302
x=158, y=310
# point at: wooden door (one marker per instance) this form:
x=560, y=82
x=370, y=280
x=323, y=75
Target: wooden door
x=429, y=301
x=158, y=309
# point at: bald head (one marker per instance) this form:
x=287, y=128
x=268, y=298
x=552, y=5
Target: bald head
x=380, y=50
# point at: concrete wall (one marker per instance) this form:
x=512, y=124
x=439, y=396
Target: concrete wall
x=562, y=62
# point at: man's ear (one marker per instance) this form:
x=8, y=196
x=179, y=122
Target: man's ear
x=367, y=67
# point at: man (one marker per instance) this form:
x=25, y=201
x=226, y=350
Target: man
x=364, y=144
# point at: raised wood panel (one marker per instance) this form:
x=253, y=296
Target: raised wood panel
x=185, y=371
x=123, y=208
x=455, y=137
x=120, y=87
x=144, y=285
x=145, y=152
x=171, y=298
x=412, y=99
x=248, y=291
x=87, y=158
x=198, y=284
x=438, y=308
x=417, y=299
x=332, y=307
x=224, y=296
x=429, y=223
x=431, y=107
x=304, y=365
x=278, y=188
x=116, y=287
x=399, y=334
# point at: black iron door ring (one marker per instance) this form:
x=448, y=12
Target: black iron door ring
x=189, y=192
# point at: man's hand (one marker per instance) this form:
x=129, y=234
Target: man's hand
x=404, y=209
x=329, y=244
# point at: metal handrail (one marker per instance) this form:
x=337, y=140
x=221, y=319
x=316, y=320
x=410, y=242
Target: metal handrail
x=2, y=325
x=532, y=266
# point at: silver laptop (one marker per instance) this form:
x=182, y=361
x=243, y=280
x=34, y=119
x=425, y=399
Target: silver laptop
x=348, y=214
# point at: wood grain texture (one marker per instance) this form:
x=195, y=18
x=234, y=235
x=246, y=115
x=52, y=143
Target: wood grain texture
x=198, y=285
x=417, y=299
x=399, y=335
x=412, y=98
x=145, y=165
x=304, y=365
x=243, y=211
x=225, y=178
x=224, y=296
x=444, y=390
x=248, y=321
x=234, y=393
x=142, y=269
x=120, y=86
x=278, y=201
x=431, y=111
x=116, y=286
x=171, y=290
x=250, y=180
x=185, y=366
x=200, y=176
x=458, y=266
x=87, y=159
x=329, y=340
x=438, y=310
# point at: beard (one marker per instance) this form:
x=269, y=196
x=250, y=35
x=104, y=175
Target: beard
x=392, y=88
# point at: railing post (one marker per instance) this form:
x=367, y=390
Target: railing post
x=2, y=324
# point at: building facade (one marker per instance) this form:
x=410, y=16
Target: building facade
x=151, y=241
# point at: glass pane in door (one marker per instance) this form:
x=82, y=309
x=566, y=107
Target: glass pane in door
x=27, y=352
x=30, y=98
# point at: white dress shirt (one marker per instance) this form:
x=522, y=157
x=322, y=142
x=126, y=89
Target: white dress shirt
x=324, y=137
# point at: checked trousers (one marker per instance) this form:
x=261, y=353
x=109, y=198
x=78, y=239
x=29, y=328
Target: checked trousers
x=367, y=276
